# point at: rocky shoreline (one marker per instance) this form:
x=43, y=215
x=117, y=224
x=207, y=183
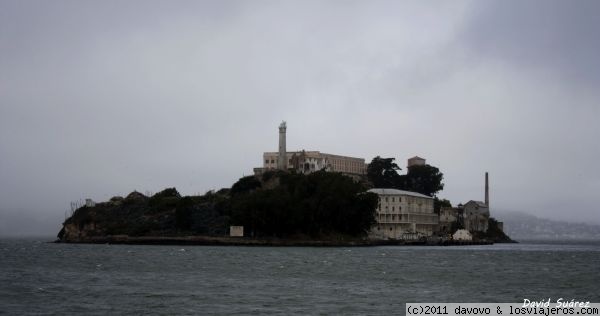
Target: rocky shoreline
x=266, y=242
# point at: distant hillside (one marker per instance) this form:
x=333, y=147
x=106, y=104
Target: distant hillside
x=523, y=226
x=27, y=223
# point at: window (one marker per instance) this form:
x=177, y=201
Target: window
x=386, y=199
x=392, y=208
x=272, y=161
x=267, y=161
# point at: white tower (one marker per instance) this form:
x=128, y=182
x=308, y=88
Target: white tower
x=282, y=158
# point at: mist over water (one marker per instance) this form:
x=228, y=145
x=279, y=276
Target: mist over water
x=43, y=278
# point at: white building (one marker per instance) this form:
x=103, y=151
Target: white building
x=403, y=215
x=309, y=161
x=462, y=235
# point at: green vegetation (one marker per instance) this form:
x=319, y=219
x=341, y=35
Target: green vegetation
x=438, y=204
x=276, y=205
x=426, y=179
x=316, y=205
x=383, y=173
x=166, y=213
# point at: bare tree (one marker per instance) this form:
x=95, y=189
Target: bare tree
x=75, y=205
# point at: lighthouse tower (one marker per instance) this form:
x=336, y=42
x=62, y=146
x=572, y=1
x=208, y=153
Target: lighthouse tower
x=282, y=157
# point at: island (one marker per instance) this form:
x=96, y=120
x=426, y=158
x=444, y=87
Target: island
x=275, y=208
x=296, y=198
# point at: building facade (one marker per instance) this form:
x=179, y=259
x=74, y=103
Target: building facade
x=403, y=215
x=309, y=161
x=448, y=217
x=476, y=216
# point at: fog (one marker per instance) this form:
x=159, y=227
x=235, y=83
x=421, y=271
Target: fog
x=100, y=98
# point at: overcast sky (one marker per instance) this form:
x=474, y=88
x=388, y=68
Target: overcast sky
x=100, y=98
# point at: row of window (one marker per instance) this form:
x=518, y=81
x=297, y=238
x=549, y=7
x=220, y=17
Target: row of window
x=394, y=199
x=338, y=165
x=393, y=208
x=272, y=161
x=409, y=209
x=406, y=218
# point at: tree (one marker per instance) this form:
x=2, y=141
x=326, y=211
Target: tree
x=383, y=173
x=319, y=204
x=424, y=179
x=438, y=204
x=183, y=213
x=245, y=185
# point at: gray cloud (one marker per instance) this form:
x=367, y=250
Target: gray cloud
x=101, y=98
x=542, y=36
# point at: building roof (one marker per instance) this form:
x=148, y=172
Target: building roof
x=398, y=192
x=313, y=153
x=479, y=203
x=416, y=157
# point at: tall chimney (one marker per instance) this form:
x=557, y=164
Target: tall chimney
x=487, y=191
x=282, y=157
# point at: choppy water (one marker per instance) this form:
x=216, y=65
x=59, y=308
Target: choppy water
x=45, y=279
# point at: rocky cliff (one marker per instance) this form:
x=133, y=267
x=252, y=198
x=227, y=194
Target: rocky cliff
x=166, y=213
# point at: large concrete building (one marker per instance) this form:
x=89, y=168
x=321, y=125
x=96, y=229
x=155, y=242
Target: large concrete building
x=473, y=216
x=448, y=217
x=476, y=216
x=403, y=215
x=309, y=161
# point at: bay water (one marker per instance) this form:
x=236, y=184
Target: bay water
x=41, y=278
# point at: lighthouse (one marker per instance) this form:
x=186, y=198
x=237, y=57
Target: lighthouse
x=282, y=157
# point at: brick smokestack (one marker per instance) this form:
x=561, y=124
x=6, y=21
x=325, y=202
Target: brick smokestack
x=487, y=191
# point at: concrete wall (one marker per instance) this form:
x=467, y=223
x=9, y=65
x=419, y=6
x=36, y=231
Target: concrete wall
x=236, y=231
x=476, y=216
x=310, y=161
x=399, y=215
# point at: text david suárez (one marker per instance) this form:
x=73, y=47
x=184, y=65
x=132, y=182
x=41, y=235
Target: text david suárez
x=559, y=303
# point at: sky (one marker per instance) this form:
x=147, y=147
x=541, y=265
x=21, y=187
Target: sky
x=101, y=98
